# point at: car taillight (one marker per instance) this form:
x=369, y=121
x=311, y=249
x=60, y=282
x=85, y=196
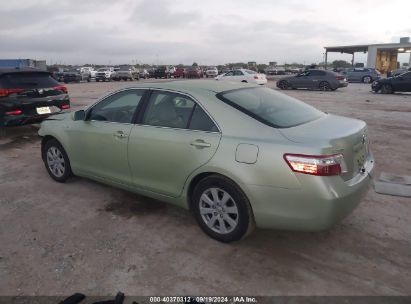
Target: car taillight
x=321, y=165
x=340, y=78
x=15, y=112
x=61, y=88
x=255, y=77
x=64, y=107
x=7, y=92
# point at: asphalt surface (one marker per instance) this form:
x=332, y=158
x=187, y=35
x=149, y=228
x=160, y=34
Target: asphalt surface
x=82, y=236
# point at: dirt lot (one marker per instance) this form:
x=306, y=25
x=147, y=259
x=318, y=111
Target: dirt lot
x=83, y=236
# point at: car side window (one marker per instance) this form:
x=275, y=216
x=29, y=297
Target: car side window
x=166, y=109
x=229, y=74
x=201, y=121
x=119, y=107
x=238, y=73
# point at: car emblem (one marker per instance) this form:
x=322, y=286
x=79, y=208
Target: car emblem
x=41, y=91
x=364, y=139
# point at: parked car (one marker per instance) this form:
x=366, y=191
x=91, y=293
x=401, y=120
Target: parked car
x=143, y=73
x=243, y=75
x=151, y=72
x=29, y=96
x=365, y=75
x=224, y=171
x=126, y=74
x=170, y=70
x=313, y=79
x=161, y=72
x=275, y=71
x=399, y=83
x=73, y=75
x=211, y=72
x=104, y=74
x=180, y=73
x=56, y=72
x=194, y=72
x=88, y=72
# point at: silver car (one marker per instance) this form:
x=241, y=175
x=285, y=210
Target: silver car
x=365, y=75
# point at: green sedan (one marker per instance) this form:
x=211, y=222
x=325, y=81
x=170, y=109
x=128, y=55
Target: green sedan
x=236, y=155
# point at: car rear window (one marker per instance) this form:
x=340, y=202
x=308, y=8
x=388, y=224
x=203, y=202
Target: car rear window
x=27, y=80
x=270, y=107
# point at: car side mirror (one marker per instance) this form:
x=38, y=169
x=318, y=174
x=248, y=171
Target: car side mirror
x=79, y=115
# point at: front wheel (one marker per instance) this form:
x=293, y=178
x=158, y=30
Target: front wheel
x=221, y=209
x=387, y=89
x=56, y=161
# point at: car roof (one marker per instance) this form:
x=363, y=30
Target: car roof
x=20, y=70
x=196, y=86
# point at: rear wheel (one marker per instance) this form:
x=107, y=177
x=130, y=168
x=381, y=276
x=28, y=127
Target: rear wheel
x=367, y=79
x=387, y=89
x=245, y=81
x=324, y=86
x=56, y=161
x=221, y=209
x=283, y=85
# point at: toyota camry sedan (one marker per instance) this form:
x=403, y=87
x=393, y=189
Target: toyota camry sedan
x=236, y=155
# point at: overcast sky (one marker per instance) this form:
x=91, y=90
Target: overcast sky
x=184, y=31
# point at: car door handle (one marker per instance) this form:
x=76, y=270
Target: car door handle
x=120, y=134
x=199, y=143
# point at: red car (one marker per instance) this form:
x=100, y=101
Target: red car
x=180, y=73
x=194, y=72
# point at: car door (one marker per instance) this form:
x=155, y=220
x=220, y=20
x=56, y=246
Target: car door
x=314, y=79
x=301, y=80
x=98, y=145
x=173, y=137
x=228, y=76
x=239, y=76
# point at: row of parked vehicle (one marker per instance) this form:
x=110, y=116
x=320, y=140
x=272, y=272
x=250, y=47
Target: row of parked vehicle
x=330, y=81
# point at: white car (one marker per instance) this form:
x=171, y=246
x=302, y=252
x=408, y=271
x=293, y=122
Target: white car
x=211, y=72
x=243, y=75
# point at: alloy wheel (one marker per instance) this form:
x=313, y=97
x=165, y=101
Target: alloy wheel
x=219, y=210
x=325, y=86
x=55, y=161
x=367, y=79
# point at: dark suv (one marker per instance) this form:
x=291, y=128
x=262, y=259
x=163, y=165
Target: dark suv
x=29, y=96
x=161, y=72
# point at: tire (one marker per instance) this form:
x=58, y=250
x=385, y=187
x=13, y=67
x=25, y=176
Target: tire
x=223, y=221
x=283, y=85
x=56, y=161
x=387, y=89
x=367, y=79
x=324, y=86
x=244, y=81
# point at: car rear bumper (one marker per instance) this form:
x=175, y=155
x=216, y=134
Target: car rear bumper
x=29, y=111
x=320, y=203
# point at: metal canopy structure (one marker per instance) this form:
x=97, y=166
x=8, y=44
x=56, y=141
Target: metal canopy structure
x=349, y=49
x=383, y=56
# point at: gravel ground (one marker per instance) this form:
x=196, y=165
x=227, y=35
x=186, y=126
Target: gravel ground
x=82, y=236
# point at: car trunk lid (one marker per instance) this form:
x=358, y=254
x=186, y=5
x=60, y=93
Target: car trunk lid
x=339, y=135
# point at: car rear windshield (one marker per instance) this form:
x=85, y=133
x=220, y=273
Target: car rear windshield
x=270, y=107
x=27, y=80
